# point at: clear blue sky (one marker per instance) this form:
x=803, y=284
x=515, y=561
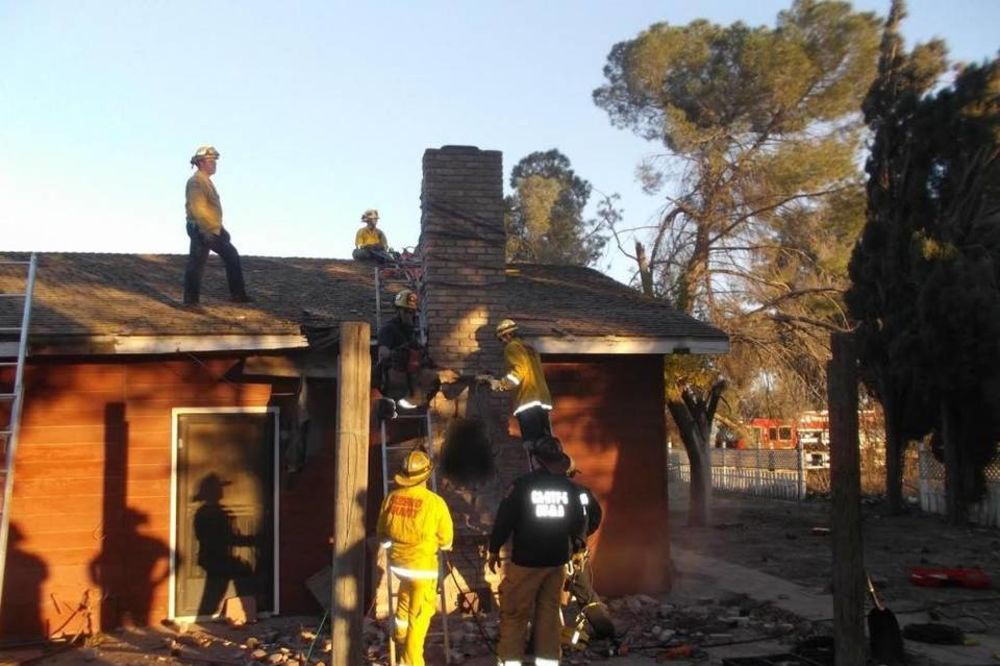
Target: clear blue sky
x=320, y=109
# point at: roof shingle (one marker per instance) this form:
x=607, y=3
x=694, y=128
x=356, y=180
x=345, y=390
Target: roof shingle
x=89, y=294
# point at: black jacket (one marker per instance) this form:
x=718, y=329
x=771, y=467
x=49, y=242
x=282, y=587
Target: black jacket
x=543, y=514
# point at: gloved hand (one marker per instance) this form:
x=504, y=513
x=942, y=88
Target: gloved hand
x=483, y=378
x=496, y=385
x=224, y=234
x=492, y=562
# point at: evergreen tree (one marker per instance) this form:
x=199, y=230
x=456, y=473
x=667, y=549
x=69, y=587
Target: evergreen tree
x=883, y=296
x=545, y=214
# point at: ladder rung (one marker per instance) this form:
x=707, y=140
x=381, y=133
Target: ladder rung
x=10, y=329
x=7, y=364
x=6, y=262
x=7, y=396
x=12, y=295
x=6, y=433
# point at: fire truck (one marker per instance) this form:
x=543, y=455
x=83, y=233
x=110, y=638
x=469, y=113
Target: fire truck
x=812, y=429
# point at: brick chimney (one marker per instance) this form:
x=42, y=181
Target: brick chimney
x=463, y=243
x=462, y=240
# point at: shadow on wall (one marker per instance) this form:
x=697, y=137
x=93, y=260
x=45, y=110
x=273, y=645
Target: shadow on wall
x=217, y=536
x=609, y=415
x=22, y=591
x=129, y=572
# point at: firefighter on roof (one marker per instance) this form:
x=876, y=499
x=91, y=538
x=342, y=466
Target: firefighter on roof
x=532, y=402
x=203, y=211
x=543, y=517
x=414, y=524
x=370, y=242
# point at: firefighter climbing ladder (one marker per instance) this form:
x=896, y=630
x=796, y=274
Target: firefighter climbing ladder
x=386, y=450
x=408, y=274
x=15, y=399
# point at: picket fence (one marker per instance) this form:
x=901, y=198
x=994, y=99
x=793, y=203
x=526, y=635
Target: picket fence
x=774, y=473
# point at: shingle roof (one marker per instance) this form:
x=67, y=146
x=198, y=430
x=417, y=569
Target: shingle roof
x=85, y=294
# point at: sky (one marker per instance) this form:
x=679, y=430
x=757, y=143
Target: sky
x=321, y=109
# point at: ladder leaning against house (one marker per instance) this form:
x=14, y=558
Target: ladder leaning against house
x=409, y=275
x=14, y=398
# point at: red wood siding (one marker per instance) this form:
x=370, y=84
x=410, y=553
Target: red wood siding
x=609, y=413
x=91, y=505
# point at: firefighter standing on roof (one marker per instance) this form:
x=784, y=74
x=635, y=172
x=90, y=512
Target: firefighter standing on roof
x=533, y=402
x=414, y=523
x=543, y=516
x=204, y=227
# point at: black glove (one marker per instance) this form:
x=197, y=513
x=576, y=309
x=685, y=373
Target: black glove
x=224, y=234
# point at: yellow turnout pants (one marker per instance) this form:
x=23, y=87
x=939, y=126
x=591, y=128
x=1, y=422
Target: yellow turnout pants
x=416, y=604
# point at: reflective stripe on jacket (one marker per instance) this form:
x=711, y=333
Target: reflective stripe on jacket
x=524, y=371
x=418, y=523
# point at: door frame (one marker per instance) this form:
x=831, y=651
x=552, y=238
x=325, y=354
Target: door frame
x=175, y=415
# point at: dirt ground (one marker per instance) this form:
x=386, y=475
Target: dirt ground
x=774, y=537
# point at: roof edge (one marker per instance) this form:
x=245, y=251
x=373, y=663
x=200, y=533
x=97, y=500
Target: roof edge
x=628, y=345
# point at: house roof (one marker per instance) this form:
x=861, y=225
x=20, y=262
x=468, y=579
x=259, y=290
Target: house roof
x=121, y=295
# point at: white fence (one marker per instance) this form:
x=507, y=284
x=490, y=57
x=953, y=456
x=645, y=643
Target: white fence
x=932, y=498
x=776, y=473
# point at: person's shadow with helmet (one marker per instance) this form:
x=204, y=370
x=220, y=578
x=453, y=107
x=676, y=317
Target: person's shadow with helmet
x=216, y=533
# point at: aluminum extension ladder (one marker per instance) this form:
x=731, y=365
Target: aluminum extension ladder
x=8, y=436
x=386, y=449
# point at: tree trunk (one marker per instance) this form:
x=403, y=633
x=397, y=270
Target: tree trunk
x=958, y=510
x=645, y=274
x=696, y=443
x=895, y=447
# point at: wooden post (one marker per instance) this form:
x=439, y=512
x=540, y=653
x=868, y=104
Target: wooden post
x=845, y=519
x=350, y=495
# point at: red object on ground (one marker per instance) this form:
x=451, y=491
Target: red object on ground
x=974, y=578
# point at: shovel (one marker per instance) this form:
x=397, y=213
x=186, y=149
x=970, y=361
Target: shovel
x=884, y=636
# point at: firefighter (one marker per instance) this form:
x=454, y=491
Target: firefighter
x=370, y=242
x=533, y=402
x=580, y=581
x=544, y=519
x=204, y=227
x=403, y=370
x=414, y=524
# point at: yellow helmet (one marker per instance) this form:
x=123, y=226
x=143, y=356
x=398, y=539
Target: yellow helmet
x=203, y=152
x=370, y=214
x=506, y=326
x=416, y=467
x=406, y=299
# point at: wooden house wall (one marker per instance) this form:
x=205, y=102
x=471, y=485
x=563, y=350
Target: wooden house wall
x=609, y=414
x=90, y=513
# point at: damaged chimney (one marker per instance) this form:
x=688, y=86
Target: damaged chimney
x=462, y=240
